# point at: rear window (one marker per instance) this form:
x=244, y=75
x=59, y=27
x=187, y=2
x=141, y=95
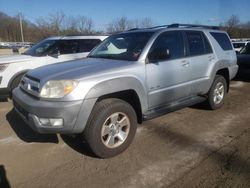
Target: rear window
x=223, y=40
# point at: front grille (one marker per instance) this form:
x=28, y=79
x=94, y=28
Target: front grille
x=30, y=85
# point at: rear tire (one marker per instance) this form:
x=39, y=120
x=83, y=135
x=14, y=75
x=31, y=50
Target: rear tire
x=217, y=93
x=111, y=127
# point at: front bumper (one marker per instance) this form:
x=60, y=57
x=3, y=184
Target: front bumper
x=31, y=109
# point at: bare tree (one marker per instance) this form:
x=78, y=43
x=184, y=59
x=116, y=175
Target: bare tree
x=120, y=24
x=70, y=25
x=231, y=24
x=85, y=25
x=146, y=22
x=56, y=21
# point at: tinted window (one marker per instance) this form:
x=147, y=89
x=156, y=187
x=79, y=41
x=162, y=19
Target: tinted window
x=42, y=48
x=195, y=42
x=172, y=41
x=223, y=40
x=69, y=47
x=86, y=45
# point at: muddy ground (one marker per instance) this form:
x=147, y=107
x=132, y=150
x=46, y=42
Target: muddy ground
x=192, y=147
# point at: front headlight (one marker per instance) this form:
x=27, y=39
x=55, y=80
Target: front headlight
x=58, y=88
x=3, y=67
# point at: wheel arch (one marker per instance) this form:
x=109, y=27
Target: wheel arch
x=23, y=72
x=225, y=73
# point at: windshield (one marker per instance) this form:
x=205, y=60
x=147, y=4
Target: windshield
x=245, y=50
x=42, y=48
x=125, y=46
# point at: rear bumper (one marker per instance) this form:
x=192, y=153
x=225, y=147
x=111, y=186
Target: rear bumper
x=233, y=71
x=32, y=109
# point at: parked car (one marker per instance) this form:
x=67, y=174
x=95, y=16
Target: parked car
x=49, y=51
x=239, y=45
x=130, y=77
x=243, y=60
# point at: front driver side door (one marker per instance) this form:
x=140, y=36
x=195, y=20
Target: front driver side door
x=168, y=80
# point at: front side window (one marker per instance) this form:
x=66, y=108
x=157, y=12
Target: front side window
x=125, y=46
x=42, y=48
x=171, y=42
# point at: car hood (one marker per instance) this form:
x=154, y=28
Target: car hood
x=78, y=69
x=14, y=58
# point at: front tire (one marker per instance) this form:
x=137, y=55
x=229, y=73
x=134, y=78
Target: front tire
x=217, y=93
x=111, y=127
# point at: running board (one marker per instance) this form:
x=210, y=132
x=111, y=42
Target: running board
x=156, y=112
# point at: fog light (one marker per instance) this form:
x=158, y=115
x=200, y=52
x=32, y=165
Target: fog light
x=51, y=121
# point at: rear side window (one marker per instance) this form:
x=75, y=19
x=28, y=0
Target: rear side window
x=198, y=43
x=223, y=40
x=86, y=45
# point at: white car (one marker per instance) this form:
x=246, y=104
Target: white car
x=49, y=51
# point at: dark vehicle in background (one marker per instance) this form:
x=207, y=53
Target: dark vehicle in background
x=243, y=60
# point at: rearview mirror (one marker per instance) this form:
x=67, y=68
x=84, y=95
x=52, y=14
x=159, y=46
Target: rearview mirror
x=159, y=54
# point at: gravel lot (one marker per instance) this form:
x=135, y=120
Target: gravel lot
x=192, y=147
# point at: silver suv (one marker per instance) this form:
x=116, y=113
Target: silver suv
x=130, y=77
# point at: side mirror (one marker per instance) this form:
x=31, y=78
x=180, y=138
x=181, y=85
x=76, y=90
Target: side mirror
x=55, y=53
x=159, y=54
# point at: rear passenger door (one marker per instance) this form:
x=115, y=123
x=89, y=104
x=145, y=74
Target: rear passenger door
x=201, y=57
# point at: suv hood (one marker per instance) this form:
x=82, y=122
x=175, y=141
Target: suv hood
x=14, y=58
x=77, y=69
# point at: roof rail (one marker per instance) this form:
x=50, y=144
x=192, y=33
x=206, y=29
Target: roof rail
x=193, y=25
x=136, y=28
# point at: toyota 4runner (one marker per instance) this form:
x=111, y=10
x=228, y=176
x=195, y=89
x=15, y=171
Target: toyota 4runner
x=130, y=77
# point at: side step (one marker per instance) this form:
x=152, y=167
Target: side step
x=153, y=113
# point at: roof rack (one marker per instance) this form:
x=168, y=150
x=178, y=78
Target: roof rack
x=193, y=25
x=176, y=25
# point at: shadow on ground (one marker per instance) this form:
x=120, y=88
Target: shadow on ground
x=227, y=157
x=78, y=144
x=4, y=183
x=25, y=133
